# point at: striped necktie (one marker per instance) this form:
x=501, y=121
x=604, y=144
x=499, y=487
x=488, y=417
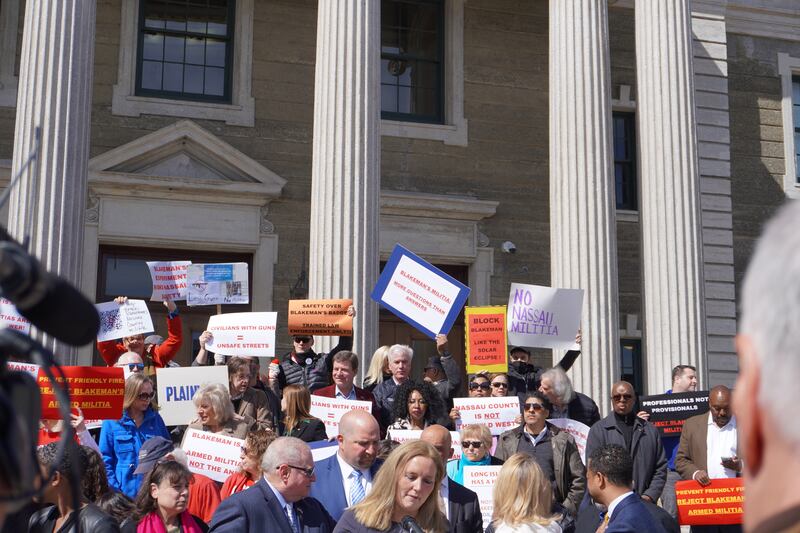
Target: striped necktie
x=292, y=518
x=357, y=492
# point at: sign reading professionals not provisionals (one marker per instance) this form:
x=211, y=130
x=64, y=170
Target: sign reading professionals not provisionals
x=668, y=411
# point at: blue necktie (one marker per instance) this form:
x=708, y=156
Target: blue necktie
x=292, y=519
x=357, y=492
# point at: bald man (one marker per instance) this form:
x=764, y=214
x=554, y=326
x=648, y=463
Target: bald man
x=457, y=502
x=345, y=478
x=130, y=362
x=709, y=447
x=642, y=441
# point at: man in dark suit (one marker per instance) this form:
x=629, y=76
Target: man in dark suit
x=623, y=428
x=344, y=479
x=609, y=478
x=459, y=504
x=345, y=366
x=279, y=502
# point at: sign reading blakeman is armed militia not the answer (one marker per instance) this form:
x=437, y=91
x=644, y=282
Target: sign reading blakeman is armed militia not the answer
x=669, y=411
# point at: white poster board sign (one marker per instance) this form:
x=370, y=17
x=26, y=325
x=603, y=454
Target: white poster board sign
x=251, y=334
x=11, y=318
x=30, y=368
x=323, y=449
x=176, y=388
x=543, y=317
x=403, y=435
x=217, y=283
x=212, y=454
x=331, y=410
x=578, y=430
x=169, y=279
x=118, y=321
x=481, y=480
x=497, y=414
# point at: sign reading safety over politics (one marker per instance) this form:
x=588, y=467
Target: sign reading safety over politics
x=486, y=339
x=320, y=317
x=543, y=317
x=420, y=293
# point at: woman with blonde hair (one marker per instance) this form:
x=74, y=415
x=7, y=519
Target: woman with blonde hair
x=215, y=412
x=523, y=498
x=297, y=419
x=378, y=369
x=407, y=485
x=120, y=440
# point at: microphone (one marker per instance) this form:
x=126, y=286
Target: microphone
x=410, y=525
x=48, y=301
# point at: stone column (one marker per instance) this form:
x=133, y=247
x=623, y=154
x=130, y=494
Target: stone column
x=55, y=91
x=345, y=190
x=670, y=192
x=583, y=241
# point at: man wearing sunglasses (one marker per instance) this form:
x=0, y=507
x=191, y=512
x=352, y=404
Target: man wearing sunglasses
x=623, y=428
x=554, y=450
x=303, y=366
x=131, y=362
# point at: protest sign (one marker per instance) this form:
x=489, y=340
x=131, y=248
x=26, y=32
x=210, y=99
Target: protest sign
x=251, y=334
x=30, y=368
x=118, y=321
x=176, y=388
x=97, y=390
x=403, y=435
x=169, y=279
x=217, y=283
x=419, y=293
x=11, y=318
x=212, y=454
x=481, y=480
x=543, y=317
x=578, y=430
x=497, y=414
x=719, y=503
x=669, y=411
x=322, y=449
x=486, y=339
x=320, y=317
x=331, y=410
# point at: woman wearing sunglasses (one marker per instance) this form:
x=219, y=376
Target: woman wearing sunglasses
x=499, y=383
x=476, y=441
x=121, y=439
x=554, y=450
x=479, y=387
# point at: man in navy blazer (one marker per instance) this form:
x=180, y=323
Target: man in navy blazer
x=279, y=502
x=609, y=478
x=346, y=477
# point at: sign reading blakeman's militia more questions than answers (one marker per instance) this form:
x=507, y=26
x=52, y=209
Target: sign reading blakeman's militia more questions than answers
x=543, y=317
x=419, y=293
x=669, y=411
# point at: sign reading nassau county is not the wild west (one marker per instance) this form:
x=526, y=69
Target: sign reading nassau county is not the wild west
x=669, y=411
x=543, y=317
x=419, y=293
x=485, y=335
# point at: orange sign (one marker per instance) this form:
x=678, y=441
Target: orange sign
x=719, y=503
x=486, y=339
x=320, y=317
x=99, y=392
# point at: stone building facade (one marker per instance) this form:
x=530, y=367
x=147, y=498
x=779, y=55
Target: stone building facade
x=220, y=180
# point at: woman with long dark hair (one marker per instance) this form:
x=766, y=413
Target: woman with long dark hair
x=417, y=405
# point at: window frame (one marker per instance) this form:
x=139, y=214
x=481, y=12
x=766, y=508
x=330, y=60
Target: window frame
x=229, y=39
x=638, y=380
x=789, y=69
x=633, y=163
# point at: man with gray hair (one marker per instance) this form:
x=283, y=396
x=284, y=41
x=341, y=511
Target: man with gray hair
x=767, y=391
x=399, y=357
x=279, y=501
x=566, y=402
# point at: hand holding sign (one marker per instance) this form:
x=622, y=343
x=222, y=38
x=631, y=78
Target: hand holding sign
x=321, y=317
x=249, y=334
x=169, y=279
x=123, y=318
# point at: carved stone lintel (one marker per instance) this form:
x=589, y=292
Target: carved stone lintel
x=267, y=227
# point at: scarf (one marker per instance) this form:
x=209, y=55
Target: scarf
x=152, y=524
x=457, y=473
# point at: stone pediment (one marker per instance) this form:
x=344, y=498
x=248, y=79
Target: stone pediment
x=184, y=155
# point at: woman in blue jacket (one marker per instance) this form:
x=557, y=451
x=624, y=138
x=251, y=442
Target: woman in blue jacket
x=121, y=439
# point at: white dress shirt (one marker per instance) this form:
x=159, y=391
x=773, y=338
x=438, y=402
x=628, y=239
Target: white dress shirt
x=347, y=480
x=615, y=502
x=444, y=497
x=721, y=442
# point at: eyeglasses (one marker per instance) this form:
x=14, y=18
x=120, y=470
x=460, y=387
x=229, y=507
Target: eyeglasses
x=308, y=472
x=471, y=444
x=620, y=397
x=302, y=340
x=499, y=384
x=145, y=396
x=534, y=406
x=484, y=385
